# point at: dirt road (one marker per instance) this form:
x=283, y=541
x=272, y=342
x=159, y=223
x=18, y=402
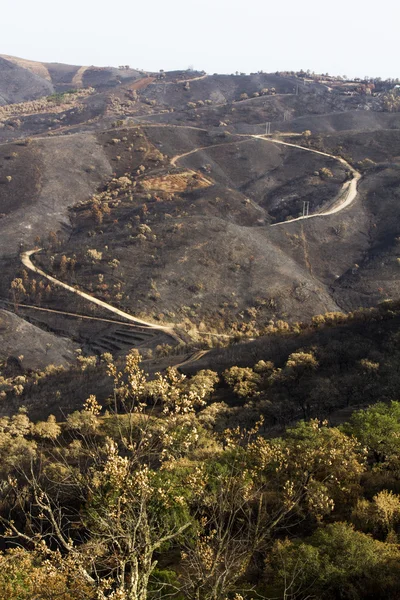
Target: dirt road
x=175, y=159
x=182, y=80
x=344, y=199
x=349, y=189
x=193, y=358
x=26, y=260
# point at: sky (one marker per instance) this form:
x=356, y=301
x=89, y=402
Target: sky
x=341, y=37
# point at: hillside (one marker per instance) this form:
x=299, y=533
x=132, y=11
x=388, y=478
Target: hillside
x=151, y=192
x=19, y=84
x=323, y=369
x=23, y=77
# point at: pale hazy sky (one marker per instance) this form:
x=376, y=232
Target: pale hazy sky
x=342, y=37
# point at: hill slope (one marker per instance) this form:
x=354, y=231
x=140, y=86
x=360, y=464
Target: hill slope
x=149, y=192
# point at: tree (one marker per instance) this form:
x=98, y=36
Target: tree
x=380, y=516
x=114, y=264
x=243, y=380
x=231, y=528
x=94, y=255
x=335, y=562
x=325, y=173
x=63, y=265
x=203, y=383
x=18, y=291
x=53, y=240
x=97, y=213
x=108, y=500
x=41, y=574
x=298, y=377
x=378, y=429
x=312, y=469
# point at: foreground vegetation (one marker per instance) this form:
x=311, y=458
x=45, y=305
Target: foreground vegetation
x=146, y=500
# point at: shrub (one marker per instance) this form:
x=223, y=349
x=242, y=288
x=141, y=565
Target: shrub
x=94, y=255
x=325, y=173
x=243, y=380
x=336, y=562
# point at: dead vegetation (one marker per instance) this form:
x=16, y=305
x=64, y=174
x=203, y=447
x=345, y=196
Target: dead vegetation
x=179, y=182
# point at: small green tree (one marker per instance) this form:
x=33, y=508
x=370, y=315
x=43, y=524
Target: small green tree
x=243, y=380
x=378, y=429
x=335, y=562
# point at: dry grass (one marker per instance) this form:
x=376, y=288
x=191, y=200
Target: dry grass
x=45, y=105
x=177, y=183
x=77, y=78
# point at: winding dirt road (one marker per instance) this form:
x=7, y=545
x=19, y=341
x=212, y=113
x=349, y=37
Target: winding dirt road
x=175, y=159
x=26, y=261
x=349, y=189
x=344, y=199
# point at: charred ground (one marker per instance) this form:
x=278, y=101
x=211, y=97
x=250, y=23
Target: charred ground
x=159, y=174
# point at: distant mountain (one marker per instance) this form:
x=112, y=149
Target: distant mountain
x=18, y=84
x=22, y=79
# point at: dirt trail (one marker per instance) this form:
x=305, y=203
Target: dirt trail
x=193, y=358
x=141, y=84
x=349, y=189
x=182, y=80
x=77, y=78
x=26, y=260
x=145, y=125
x=248, y=100
x=175, y=159
x=75, y=315
x=305, y=250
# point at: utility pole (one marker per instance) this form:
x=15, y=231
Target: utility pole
x=286, y=115
x=297, y=89
x=268, y=128
x=306, y=208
